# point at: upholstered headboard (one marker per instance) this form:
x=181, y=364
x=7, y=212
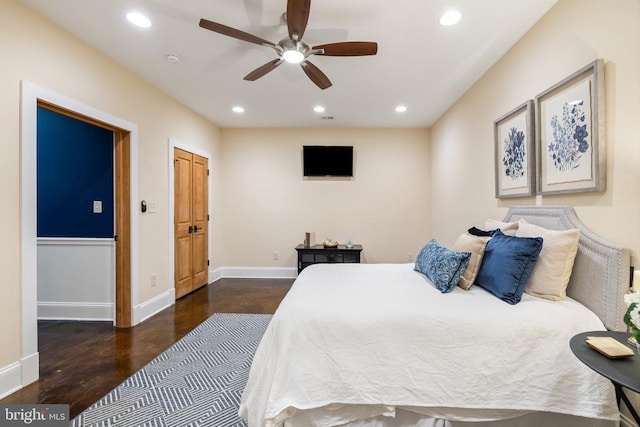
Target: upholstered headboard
x=601, y=274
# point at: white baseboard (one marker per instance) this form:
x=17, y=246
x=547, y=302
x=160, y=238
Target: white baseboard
x=87, y=311
x=143, y=311
x=30, y=371
x=10, y=379
x=215, y=274
x=255, y=272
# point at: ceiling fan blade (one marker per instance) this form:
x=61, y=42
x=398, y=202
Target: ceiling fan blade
x=261, y=71
x=297, y=17
x=316, y=76
x=232, y=32
x=348, y=49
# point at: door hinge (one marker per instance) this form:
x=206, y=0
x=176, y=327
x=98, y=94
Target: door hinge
x=207, y=172
x=207, y=217
x=115, y=238
x=207, y=262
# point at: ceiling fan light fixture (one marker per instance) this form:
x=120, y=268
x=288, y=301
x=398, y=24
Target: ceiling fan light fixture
x=293, y=56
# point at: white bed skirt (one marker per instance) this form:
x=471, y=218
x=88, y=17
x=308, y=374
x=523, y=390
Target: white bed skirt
x=411, y=419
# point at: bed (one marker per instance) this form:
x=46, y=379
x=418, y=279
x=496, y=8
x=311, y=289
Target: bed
x=379, y=345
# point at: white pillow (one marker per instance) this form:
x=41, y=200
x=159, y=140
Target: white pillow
x=476, y=245
x=552, y=271
x=507, y=228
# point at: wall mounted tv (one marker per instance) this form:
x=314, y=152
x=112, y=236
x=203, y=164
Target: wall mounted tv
x=323, y=160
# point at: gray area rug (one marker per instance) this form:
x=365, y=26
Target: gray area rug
x=196, y=382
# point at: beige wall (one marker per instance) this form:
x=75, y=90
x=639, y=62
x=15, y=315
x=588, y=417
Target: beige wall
x=571, y=35
x=41, y=53
x=268, y=205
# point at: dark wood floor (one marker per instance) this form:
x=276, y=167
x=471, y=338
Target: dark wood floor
x=82, y=361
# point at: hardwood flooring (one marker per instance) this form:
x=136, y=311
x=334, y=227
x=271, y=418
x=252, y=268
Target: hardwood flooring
x=82, y=361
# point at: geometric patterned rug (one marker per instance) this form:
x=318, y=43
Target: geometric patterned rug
x=196, y=382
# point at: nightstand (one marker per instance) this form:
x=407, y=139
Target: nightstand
x=317, y=254
x=623, y=372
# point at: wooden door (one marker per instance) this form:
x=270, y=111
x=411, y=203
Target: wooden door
x=191, y=221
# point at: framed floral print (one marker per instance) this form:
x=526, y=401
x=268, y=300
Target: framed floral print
x=570, y=133
x=514, y=152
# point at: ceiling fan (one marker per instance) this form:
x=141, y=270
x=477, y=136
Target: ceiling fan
x=293, y=49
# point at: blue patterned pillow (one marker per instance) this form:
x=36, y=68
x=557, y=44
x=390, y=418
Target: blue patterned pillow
x=441, y=265
x=507, y=265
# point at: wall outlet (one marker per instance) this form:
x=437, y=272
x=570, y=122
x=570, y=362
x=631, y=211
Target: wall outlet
x=153, y=206
x=275, y=256
x=154, y=280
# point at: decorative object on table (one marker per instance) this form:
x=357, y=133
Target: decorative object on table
x=309, y=239
x=330, y=243
x=570, y=133
x=609, y=346
x=515, y=152
x=632, y=316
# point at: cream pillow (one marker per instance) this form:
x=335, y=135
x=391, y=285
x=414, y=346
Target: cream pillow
x=507, y=228
x=474, y=244
x=552, y=272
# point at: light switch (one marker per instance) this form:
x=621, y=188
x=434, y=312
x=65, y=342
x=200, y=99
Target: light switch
x=97, y=206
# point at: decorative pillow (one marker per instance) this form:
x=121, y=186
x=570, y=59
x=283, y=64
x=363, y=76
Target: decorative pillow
x=552, y=272
x=507, y=265
x=475, y=245
x=507, y=228
x=441, y=265
x=483, y=233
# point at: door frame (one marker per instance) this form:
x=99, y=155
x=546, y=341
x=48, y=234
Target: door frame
x=173, y=143
x=126, y=136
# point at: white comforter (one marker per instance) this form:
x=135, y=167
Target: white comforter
x=353, y=341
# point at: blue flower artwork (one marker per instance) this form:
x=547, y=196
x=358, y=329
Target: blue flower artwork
x=514, y=154
x=570, y=134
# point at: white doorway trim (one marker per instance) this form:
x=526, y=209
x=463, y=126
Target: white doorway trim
x=29, y=359
x=177, y=144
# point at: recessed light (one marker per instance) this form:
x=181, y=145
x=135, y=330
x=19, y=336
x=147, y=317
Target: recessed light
x=318, y=109
x=238, y=109
x=138, y=19
x=401, y=109
x=450, y=17
x=172, y=58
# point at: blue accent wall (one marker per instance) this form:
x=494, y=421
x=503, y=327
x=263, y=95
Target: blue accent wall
x=75, y=167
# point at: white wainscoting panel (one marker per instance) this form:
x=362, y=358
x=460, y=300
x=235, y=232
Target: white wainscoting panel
x=76, y=279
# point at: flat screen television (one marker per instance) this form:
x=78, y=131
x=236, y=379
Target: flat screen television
x=323, y=160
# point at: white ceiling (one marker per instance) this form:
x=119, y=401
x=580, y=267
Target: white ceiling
x=420, y=63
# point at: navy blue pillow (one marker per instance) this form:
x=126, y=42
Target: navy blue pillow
x=475, y=231
x=507, y=265
x=441, y=265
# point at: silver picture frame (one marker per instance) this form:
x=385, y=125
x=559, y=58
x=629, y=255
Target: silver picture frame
x=570, y=142
x=514, y=152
